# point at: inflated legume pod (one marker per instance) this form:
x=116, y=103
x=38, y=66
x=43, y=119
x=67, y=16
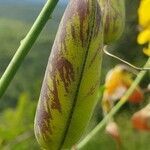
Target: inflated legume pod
x=72, y=79
x=113, y=13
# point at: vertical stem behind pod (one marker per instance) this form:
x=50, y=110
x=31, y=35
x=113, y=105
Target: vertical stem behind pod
x=87, y=141
x=26, y=45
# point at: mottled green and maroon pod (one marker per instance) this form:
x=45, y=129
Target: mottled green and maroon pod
x=113, y=12
x=71, y=84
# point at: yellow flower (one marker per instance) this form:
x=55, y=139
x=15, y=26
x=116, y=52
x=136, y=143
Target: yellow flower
x=144, y=13
x=144, y=36
x=144, y=21
x=146, y=51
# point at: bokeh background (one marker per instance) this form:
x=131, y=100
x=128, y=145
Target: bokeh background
x=18, y=105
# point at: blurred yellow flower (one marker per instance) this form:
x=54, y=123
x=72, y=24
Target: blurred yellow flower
x=144, y=21
x=144, y=13
x=144, y=36
x=146, y=51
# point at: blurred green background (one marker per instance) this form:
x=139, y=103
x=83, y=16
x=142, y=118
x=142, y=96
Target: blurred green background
x=18, y=105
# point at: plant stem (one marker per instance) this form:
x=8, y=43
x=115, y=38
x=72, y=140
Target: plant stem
x=85, y=142
x=26, y=45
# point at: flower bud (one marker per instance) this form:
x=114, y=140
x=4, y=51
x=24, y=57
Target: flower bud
x=113, y=12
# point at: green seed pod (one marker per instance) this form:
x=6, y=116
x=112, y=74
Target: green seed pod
x=113, y=12
x=72, y=79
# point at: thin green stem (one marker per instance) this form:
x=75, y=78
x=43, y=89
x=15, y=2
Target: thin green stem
x=26, y=45
x=84, y=143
